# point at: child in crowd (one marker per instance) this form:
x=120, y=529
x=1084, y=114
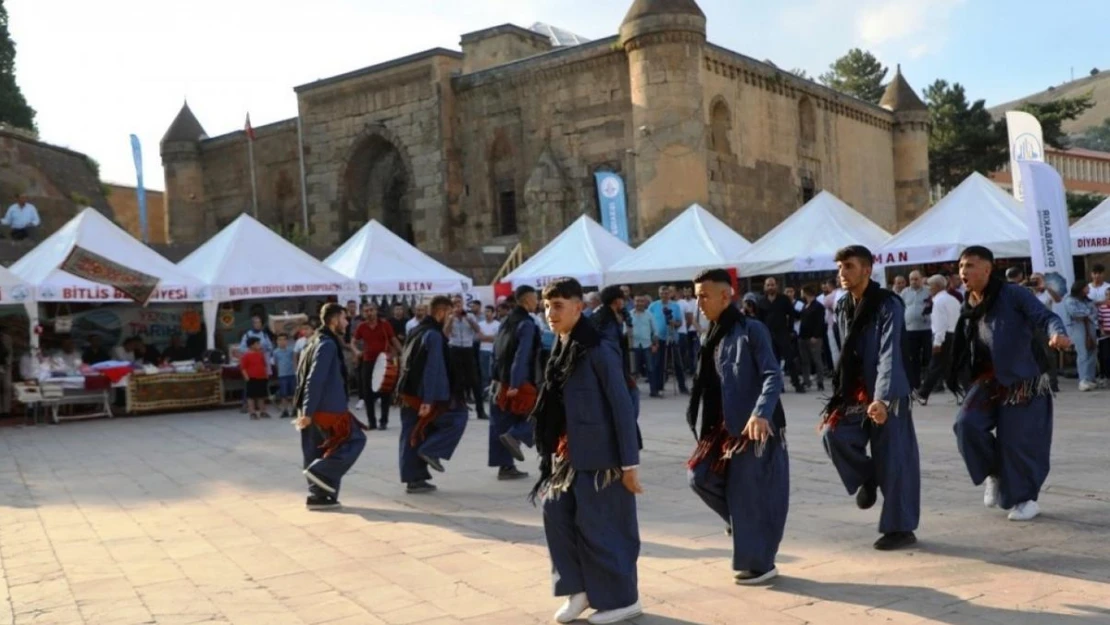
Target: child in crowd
x=287, y=374
x=257, y=374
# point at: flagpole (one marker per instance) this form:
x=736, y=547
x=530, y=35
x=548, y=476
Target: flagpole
x=254, y=184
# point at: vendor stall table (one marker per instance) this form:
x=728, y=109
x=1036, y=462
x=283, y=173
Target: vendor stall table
x=55, y=393
x=173, y=391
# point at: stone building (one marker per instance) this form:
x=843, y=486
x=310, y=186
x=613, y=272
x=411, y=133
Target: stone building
x=499, y=142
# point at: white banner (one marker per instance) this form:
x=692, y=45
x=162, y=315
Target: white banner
x=1026, y=144
x=1046, y=213
x=888, y=258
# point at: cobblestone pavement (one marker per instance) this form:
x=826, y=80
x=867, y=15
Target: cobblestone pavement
x=199, y=518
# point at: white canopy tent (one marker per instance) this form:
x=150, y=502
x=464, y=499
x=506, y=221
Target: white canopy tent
x=92, y=231
x=692, y=241
x=809, y=238
x=247, y=260
x=15, y=291
x=1091, y=234
x=389, y=265
x=583, y=251
x=977, y=212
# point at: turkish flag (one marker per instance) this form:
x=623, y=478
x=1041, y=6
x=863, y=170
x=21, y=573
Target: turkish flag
x=249, y=129
x=734, y=278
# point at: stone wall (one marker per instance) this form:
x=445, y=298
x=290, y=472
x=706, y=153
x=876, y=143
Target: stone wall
x=499, y=45
x=58, y=181
x=350, y=120
x=781, y=133
x=125, y=206
x=227, y=182
x=540, y=129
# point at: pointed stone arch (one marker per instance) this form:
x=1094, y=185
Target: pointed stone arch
x=720, y=126
x=807, y=120
x=376, y=182
x=501, y=165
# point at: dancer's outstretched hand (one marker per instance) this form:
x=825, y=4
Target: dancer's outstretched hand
x=1059, y=341
x=877, y=412
x=631, y=481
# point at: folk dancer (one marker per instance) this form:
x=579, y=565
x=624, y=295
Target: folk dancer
x=871, y=404
x=740, y=467
x=331, y=437
x=431, y=396
x=1004, y=426
x=613, y=321
x=589, y=456
x=516, y=370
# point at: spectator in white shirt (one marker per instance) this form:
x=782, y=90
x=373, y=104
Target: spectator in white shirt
x=945, y=315
x=418, y=314
x=831, y=295
x=489, y=325
x=22, y=217
x=1097, y=288
x=1050, y=359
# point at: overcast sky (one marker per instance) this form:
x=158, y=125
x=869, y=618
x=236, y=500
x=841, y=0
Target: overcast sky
x=98, y=71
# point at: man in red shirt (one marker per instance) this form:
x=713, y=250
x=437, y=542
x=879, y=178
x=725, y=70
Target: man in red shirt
x=376, y=337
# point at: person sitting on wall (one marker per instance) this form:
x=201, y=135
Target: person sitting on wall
x=22, y=217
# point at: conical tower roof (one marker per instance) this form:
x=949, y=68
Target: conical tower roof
x=185, y=127
x=644, y=8
x=899, y=95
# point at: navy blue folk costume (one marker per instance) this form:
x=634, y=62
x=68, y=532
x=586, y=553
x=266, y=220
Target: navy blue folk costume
x=516, y=365
x=333, y=442
x=425, y=378
x=612, y=328
x=586, y=434
x=871, y=369
x=994, y=363
x=746, y=482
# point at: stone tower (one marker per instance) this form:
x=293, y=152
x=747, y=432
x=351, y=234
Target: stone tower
x=185, y=211
x=664, y=40
x=911, y=148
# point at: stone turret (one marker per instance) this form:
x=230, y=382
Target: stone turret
x=184, y=179
x=911, y=148
x=664, y=41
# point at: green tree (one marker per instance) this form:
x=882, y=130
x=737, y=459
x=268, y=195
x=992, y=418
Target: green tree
x=1095, y=137
x=1052, y=116
x=800, y=73
x=1079, y=204
x=964, y=138
x=14, y=109
x=858, y=74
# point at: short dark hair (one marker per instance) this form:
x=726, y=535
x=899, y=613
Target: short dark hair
x=283, y=335
x=490, y=308
x=475, y=302
x=978, y=251
x=566, y=288
x=810, y=289
x=438, y=302
x=330, y=311
x=351, y=301
x=858, y=252
x=611, y=294
x=1098, y=268
x=1014, y=272
x=720, y=276
x=523, y=290
x=253, y=340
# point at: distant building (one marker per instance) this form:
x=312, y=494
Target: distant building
x=1083, y=171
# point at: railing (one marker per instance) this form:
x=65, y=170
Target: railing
x=515, y=258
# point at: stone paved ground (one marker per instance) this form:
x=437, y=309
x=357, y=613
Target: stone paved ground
x=189, y=519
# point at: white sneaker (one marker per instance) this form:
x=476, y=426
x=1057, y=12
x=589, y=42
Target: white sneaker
x=990, y=493
x=748, y=578
x=575, y=605
x=361, y=405
x=1024, y=511
x=616, y=616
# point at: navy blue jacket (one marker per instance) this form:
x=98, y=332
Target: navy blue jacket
x=751, y=378
x=1009, y=332
x=601, y=426
x=325, y=390
x=880, y=346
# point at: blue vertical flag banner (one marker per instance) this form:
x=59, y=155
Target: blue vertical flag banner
x=140, y=191
x=1046, y=214
x=611, y=200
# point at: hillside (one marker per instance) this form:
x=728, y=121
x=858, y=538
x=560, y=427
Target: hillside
x=1098, y=85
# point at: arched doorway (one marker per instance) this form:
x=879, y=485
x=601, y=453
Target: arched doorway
x=378, y=185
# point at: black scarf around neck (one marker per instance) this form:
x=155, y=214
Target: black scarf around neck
x=706, y=392
x=308, y=357
x=970, y=357
x=549, y=414
x=849, y=369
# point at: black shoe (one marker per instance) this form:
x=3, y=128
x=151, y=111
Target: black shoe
x=285, y=414
x=895, y=540
x=416, y=488
x=1055, y=387
x=800, y=389
x=683, y=392
x=371, y=425
x=510, y=473
x=821, y=388
x=383, y=426
x=866, y=495
x=513, y=445
x=919, y=397
x=322, y=502
x=483, y=416
x=434, y=463
x=728, y=530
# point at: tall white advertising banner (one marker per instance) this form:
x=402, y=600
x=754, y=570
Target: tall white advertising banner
x=1026, y=144
x=1046, y=213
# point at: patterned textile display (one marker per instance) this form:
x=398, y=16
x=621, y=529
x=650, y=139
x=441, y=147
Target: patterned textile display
x=287, y=323
x=173, y=391
x=96, y=268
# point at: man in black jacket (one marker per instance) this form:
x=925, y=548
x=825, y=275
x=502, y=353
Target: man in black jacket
x=776, y=311
x=811, y=337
